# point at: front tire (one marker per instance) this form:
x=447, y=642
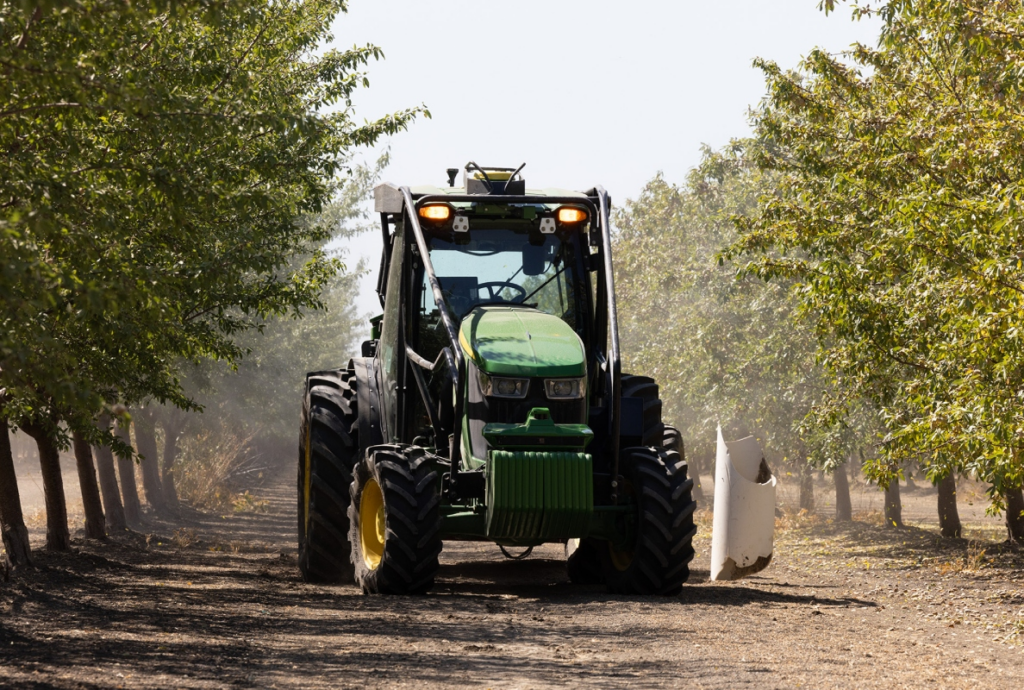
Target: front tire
x=658, y=560
x=328, y=449
x=395, y=521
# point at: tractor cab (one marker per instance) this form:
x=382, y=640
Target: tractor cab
x=489, y=401
x=501, y=260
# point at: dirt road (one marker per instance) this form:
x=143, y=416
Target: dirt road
x=220, y=604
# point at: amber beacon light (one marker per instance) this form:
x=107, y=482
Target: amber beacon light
x=437, y=213
x=568, y=214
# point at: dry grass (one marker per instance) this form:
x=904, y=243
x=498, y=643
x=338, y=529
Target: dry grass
x=184, y=537
x=241, y=547
x=229, y=547
x=872, y=517
x=35, y=519
x=245, y=502
x=703, y=518
x=797, y=519
x=971, y=562
x=1016, y=633
x=211, y=466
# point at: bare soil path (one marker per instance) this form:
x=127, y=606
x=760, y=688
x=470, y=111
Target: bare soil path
x=220, y=604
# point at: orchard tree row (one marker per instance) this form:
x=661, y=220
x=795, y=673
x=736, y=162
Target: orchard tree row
x=168, y=172
x=849, y=281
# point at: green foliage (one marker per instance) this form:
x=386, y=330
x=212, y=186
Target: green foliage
x=160, y=164
x=726, y=349
x=897, y=208
x=260, y=395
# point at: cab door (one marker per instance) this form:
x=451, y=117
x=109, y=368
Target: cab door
x=392, y=338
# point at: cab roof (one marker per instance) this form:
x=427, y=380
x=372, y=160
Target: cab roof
x=429, y=190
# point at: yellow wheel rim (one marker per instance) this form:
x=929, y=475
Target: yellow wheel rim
x=371, y=524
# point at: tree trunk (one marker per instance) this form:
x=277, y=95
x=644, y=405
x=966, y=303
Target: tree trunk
x=58, y=538
x=1015, y=514
x=949, y=516
x=95, y=525
x=12, y=522
x=807, y=489
x=108, y=484
x=129, y=490
x=145, y=438
x=893, y=504
x=844, y=506
x=172, y=422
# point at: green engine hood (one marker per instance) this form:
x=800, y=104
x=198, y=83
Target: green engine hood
x=519, y=341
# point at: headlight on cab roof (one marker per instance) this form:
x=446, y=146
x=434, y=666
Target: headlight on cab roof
x=501, y=387
x=565, y=389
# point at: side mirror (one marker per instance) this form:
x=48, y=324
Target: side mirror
x=535, y=259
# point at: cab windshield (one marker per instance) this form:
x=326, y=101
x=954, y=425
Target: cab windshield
x=503, y=264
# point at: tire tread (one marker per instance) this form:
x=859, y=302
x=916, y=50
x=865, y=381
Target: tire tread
x=664, y=540
x=328, y=422
x=412, y=544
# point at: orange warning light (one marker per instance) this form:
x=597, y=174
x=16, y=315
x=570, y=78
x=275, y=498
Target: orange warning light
x=568, y=214
x=436, y=212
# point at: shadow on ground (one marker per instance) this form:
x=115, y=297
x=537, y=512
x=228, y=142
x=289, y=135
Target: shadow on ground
x=191, y=613
x=911, y=546
x=222, y=604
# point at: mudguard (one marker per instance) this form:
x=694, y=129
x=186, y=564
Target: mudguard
x=371, y=431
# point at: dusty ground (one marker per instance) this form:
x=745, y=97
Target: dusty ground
x=218, y=603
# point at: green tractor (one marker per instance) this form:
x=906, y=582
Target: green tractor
x=489, y=404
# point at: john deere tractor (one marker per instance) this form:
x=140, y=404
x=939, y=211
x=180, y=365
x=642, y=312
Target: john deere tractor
x=489, y=404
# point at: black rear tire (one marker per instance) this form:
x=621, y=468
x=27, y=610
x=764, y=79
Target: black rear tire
x=646, y=388
x=328, y=449
x=585, y=562
x=397, y=553
x=659, y=560
x=673, y=440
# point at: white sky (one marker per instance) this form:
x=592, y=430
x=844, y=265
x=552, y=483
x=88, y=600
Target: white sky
x=585, y=92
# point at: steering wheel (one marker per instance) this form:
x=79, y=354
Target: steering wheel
x=495, y=287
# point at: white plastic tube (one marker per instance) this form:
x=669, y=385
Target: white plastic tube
x=743, y=531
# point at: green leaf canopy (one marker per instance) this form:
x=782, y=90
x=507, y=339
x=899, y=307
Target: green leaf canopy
x=159, y=166
x=898, y=173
